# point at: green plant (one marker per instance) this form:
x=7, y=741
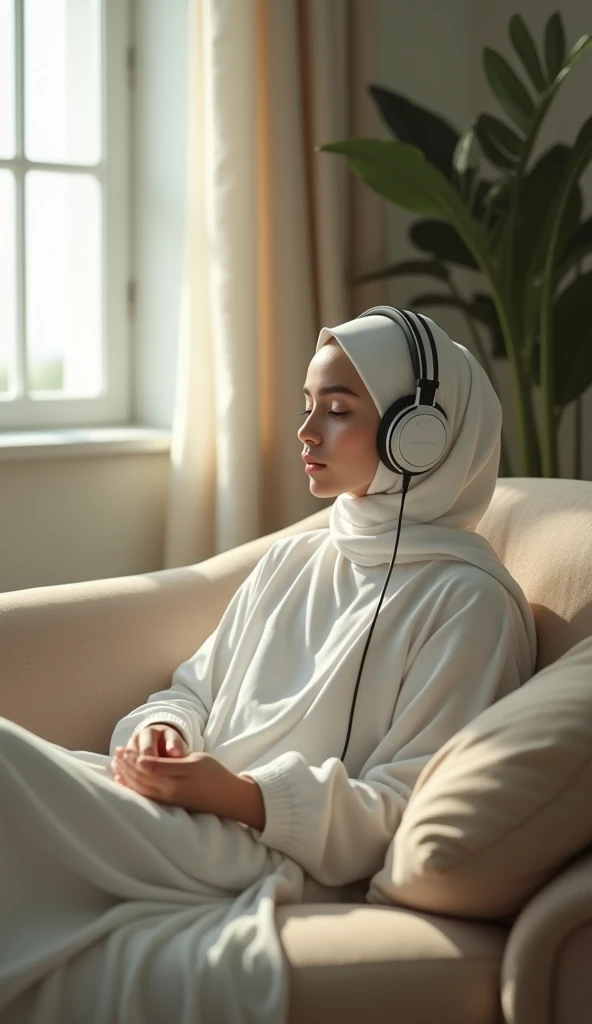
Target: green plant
x=523, y=230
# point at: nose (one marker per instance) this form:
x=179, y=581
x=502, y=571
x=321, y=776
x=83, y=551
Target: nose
x=306, y=433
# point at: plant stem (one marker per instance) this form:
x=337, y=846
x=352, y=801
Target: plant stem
x=505, y=468
x=578, y=420
x=578, y=468
x=530, y=461
x=550, y=462
x=529, y=455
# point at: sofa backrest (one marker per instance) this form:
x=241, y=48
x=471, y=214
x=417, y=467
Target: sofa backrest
x=542, y=531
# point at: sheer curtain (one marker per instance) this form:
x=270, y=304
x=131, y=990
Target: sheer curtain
x=275, y=233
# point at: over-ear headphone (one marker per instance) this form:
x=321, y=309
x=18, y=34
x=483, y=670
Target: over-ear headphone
x=413, y=433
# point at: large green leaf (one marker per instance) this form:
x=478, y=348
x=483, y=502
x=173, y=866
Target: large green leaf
x=418, y=126
x=579, y=158
x=559, y=221
x=572, y=342
x=537, y=195
x=526, y=50
x=511, y=94
x=426, y=300
x=488, y=314
x=490, y=201
x=480, y=308
x=406, y=268
x=401, y=173
x=575, y=54
x=554, y=45
x=572, y=332
x=499, y=143
x=503, y=239
x=493, y=210
x=574, y=251
x=577, y=247
x=441, y=240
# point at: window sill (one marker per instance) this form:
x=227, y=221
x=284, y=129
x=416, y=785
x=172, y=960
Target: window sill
x=67, y=443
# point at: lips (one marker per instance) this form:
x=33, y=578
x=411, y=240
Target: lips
x=311, y=462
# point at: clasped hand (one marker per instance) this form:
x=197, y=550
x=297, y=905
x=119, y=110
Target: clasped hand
x=196, y=781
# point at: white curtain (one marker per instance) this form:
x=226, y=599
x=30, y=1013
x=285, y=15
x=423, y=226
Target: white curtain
x=275, y=233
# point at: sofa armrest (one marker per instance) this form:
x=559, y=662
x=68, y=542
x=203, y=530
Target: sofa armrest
x=77, y=657
x=546, y=966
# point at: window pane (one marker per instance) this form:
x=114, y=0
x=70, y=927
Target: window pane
x=7, y=142
x=62, y=80
x=63, y=260
x=7, y=282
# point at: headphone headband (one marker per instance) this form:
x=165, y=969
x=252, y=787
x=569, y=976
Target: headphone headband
x=422, y=359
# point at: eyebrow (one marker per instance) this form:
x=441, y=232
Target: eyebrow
x=333, y=389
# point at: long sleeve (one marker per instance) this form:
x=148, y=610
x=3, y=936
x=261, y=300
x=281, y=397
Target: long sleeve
x=339, y=828
x=187, y=703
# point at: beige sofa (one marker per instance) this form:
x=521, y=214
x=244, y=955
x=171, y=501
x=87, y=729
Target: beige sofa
x=76, y=658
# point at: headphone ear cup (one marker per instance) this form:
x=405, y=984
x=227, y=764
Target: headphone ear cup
x=394, y=412
x=391, y=413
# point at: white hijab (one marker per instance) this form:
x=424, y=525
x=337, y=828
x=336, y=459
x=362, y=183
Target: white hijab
x=443, y=506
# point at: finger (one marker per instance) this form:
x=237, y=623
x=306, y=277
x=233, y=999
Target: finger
x=176, y=767
x=132, y=744
x=162, y=788
x=148, y=741
x=174, y=743
x=127, y=765
x=116, y=770
x=141, y=781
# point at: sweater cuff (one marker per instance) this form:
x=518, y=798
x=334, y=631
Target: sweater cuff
x=275, y=780
x=167, y=716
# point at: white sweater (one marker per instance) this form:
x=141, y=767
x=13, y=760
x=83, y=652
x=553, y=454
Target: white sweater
x=269, y=693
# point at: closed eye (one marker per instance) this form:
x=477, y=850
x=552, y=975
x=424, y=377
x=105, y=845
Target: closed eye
x=307, y=412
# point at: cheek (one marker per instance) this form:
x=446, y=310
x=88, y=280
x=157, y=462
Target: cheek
x=358, y=443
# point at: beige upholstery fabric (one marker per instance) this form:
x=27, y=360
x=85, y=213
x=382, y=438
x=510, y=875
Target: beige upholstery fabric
x=383, y=965
x=76, y=657
x=545, y=976
x=503, y=804
x=542, y=531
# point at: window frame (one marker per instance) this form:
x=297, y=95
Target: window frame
x=114, y=405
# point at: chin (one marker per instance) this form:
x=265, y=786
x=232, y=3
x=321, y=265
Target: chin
x=324, y=492
x=332, y=490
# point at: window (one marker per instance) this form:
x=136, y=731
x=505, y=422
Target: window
x=65, y=328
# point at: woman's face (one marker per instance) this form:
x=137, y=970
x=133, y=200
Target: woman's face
x=340, y=427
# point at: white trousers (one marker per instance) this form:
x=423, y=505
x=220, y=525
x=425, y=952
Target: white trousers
x=116, y=909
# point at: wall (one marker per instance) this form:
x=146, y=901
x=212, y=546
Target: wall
x=63, y=520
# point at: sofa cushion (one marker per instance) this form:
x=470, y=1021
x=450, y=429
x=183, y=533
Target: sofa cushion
x=503, y=804
x=542, y=531
x=387, y=965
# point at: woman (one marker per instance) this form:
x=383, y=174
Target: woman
x=144, y=883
